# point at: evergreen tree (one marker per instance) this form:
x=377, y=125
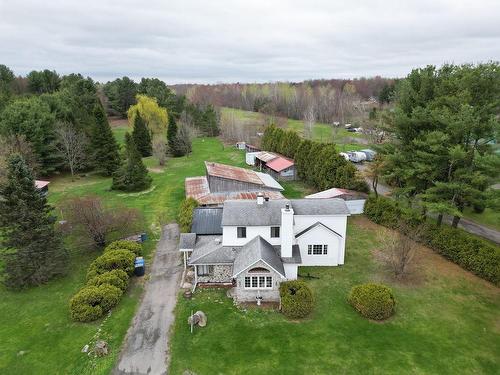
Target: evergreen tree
x=34, y=250
x=172, y=134
x=209, y=122
x=141, y=136
x=182, y=145
x=133, y=174
x=105, y=150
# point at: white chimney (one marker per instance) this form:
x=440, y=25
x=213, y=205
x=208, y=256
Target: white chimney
x=286, y=231
x=260, y=198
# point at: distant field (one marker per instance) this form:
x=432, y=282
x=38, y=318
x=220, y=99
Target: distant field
x=321, y=132
x=490, y=218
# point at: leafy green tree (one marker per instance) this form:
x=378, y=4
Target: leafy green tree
x=155, y=88
x=45, y=81
x=142, y=137
x=444, y=122
x=34, y=251
x=121, y=94
x=133, y=174
x=105, y=151
x=32, y=118
x=6, y=80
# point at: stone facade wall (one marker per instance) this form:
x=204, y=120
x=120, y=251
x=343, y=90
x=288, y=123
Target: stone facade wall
x=248, y=295
x=221, y=273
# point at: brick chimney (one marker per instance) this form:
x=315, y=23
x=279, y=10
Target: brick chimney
x=286, y=231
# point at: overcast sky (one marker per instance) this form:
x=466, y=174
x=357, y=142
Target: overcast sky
x=210, y=41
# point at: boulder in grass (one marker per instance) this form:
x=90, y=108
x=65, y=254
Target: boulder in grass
x=101, y=348
x=198, y=318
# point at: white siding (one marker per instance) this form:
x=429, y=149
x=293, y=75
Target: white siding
x=356, y=206
x=322, y=236
x=230, y=238
x=250, y=158
x=291, y=271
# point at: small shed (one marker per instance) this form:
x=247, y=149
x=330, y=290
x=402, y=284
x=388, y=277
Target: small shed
x=42, y=186
x=250, y=157
x=241, y=145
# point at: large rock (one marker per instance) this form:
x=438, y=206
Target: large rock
x=198, y=318
x=187, y=286
x=101, y=348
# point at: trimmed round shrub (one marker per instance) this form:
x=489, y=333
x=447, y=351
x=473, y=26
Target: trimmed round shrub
x=118, y=278
x=125, y=245
x=110, y=296
x=91, y=302
x=296, y=299
x=373, y=301
x=112, y=260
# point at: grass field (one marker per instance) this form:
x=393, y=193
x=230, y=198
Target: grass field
x=37, y=335
x=446, y=322
x=321, y=132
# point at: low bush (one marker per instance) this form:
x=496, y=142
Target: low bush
x=296, y=299
x=125, y=245
x=373, y=301
x=112, y=260
x=185, y=217
x=91, y=302
x=471, y=253
x=118, y=278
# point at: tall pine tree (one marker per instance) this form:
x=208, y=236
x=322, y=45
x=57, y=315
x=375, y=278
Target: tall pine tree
x=172, y=134
x=133, y=174
x=105, y=150
x=141, y=136
x=34, y=250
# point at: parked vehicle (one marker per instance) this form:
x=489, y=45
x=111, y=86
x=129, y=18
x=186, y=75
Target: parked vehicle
x=356, y=156
x=344, y=155
x=370, y=154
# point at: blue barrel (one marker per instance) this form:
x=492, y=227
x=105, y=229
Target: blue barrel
x=144, y=237
x=139, y=266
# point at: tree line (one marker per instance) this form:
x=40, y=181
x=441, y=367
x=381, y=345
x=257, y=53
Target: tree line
x=318, y=164
x=322, y=100
x=443, y=130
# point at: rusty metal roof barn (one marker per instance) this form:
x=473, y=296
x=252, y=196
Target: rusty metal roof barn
x=232, y=173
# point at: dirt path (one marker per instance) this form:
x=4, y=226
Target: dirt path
x=146, y=344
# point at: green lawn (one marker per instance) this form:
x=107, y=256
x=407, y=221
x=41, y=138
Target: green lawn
x=446, y=322
x=37, y=335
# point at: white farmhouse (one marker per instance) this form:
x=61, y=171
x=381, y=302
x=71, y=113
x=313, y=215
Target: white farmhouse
x=264, y=242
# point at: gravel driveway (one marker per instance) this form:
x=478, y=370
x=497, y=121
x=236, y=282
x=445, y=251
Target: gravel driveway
x=146, y=344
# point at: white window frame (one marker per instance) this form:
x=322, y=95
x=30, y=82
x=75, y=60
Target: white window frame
x=317, y=249
x=202, y=267
x=256, y=280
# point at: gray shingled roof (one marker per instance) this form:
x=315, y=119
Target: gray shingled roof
x=255, y=250
x=209, y=251
x=187, y=240
x=250, y=213
x=314, y=226
x=295, y=258
x=310, y=206
x=207, y=220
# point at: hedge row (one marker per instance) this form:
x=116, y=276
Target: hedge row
x=317, y=163
x=462, y=248
x=107, y=279
x=185, y=217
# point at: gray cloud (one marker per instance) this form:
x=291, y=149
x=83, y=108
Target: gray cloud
x=245, y=41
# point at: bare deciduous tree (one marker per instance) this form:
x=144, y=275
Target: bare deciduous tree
x=90, y=215
x=309, y=120
x=72, y=144
x=399, y=248
x=160, y=150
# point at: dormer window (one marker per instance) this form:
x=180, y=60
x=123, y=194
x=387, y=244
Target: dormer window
x=275, y=232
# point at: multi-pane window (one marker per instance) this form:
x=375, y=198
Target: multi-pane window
x=317, y=249
x=242, y=232
x=258, y=282
x=204, y=270
x=275, y=232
